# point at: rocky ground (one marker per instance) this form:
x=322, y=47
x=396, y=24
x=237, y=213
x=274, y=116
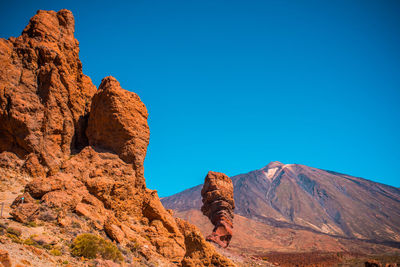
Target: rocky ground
x=17, y=240
x=41, y=243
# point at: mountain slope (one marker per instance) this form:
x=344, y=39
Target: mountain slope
x=299, y=197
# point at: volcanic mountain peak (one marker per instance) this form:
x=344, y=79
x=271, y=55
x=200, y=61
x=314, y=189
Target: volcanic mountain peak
x=296, y=196
x=274, y=164
x=272, y=169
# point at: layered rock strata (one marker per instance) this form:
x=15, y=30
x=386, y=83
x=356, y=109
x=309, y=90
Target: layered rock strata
x=84, y=147
x=218, y=206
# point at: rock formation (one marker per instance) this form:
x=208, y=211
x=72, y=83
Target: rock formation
x=5, y=259
x=44, y=96
x=126, y=135
x=218, y=206
x=84, y=148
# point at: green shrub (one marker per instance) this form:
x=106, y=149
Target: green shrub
x=14, y=238
x=14, y=231
x=55, y=252
x=134, y=245
x=75, y=225
x=30, y=242
x=91, y=246
x=47, y=246
x=31, y=224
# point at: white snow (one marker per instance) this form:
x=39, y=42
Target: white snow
x=270, y=173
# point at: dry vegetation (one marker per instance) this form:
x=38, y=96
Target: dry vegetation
x=91, y=246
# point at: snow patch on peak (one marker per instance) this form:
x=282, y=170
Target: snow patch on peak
x=270, y=173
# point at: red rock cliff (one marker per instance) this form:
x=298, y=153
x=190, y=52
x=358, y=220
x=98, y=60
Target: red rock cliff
x=44, y=96
x=84, y=148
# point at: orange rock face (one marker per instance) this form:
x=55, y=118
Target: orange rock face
x=118, y=122
x=44, y=96
x=5, y=259
x=85, y=149
x=218, y=206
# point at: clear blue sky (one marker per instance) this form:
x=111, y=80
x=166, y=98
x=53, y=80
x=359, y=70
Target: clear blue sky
x=233, y=85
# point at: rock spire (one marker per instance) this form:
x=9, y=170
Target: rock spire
x=218, y=206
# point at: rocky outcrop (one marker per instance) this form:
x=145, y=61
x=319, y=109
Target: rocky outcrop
x=101, y=188
x=44, y=96
x=85, y=153
x=198, y=251
x=218, y=206
x=5, y=259
x=118, y=122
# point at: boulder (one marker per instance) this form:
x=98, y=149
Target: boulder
x=5, y=258
x=118, y=123
x=25, y=212
x=198, y=251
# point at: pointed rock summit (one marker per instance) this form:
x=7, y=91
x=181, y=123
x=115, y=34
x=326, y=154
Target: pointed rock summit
x=118, y=122
x=274, y=164
x=272, y=169
x=44, y=96
x=57, y=27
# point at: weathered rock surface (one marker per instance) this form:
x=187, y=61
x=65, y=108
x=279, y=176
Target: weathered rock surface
x=198, y=251
x=118, y=123
x=44, y=96
x=84, y=148
x=5, y=259
x=218, y=206
x=372, y=263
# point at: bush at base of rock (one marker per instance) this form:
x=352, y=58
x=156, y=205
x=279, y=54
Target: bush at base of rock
x=92, y=246
x=55, y=252
x=14, y=231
